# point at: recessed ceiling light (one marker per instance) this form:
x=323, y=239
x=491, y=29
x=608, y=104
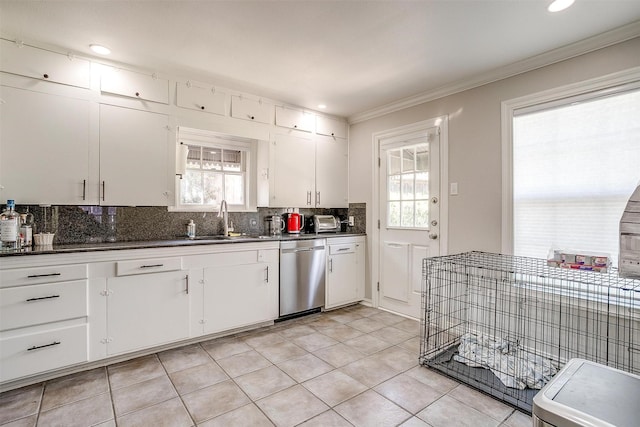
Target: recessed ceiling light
x=99, y=49
x=559, y=5
x=322, y=106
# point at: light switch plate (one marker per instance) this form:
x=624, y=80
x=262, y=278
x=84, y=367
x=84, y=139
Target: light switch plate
x=453, y=189
x=351, y=221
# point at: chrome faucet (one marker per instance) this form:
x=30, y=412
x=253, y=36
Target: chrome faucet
x=224, y=214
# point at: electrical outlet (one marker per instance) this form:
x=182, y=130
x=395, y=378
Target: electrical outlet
x=352, y=221
x=253, y=223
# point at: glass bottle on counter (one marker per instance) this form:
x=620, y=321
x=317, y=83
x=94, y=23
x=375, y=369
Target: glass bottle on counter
x=10, y=227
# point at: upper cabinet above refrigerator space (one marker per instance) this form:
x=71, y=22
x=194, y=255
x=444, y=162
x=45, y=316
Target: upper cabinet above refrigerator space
x=331, y=127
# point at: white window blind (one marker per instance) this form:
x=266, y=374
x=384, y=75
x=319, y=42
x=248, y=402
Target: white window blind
x=575, y=164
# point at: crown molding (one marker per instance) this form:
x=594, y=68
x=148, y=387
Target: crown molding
x=618, y=35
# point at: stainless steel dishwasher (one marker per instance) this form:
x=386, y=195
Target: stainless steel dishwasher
x=302, y=264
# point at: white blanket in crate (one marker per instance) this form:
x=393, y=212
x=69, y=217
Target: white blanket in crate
x=516, y=368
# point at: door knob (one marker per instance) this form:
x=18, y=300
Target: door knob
x=433, y=236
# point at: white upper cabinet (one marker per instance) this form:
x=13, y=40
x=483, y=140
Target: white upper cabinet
x=332, y=173
x=44, y=148
x=133, y=157
x=331, y=127
x=208, y=100
x=134, y=85
x=292, y=172
x=45, y=65
x=294, y=119
x=249, y=109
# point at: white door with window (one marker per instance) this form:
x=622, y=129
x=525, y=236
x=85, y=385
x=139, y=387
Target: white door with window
x=409, y=213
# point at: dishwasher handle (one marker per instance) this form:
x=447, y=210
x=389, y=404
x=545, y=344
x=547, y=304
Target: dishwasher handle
x=295, y=250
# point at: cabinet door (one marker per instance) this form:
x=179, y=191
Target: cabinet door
x=292, y=172
x=331, y=127
x=332, y=177
x=361, y=248
x=44, y=148
x=249, y=109
x=342, y=276
x=133, y=157
x=146, y=310
x=134, y=85
x=43, y=64
x=201, y=99
x=240, y=295
x=294, y=119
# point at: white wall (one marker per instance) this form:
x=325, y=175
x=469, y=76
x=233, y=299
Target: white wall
x=475, y=142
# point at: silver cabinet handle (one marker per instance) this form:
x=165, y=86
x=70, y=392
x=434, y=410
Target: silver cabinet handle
x=84, y=189
x=308, y=197
x=41, y=298
x=35, y=347
x=343, y=249
x=330, y=265
x=266, y=279
x=186, y=279
x=103, y=195
x=317, y=198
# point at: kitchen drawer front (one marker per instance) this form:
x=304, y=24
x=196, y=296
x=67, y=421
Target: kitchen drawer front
x=34, y=276
x=30, y=354
x=135, y=85
x=45, y=65
x=144, y=266
x=201, y=99
x=32, y=305
x=249, y=109
x=294, y=119
x=331, y=127
x=346, y=248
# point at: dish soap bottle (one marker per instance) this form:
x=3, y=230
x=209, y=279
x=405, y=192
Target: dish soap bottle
x=9, y=226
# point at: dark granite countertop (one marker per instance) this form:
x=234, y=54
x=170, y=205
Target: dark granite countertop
x=145, y=244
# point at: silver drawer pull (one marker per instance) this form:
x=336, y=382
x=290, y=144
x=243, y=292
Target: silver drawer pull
x=343, y=249
x=41, y=298
x=151, y=265
x=33, y=276
x=35, y=347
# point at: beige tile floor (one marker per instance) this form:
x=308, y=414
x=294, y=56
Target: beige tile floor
x=354, y=366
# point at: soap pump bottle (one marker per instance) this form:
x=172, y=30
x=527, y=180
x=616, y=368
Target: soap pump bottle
x=191, y=229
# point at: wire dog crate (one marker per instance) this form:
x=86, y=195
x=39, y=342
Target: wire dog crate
x=506, y=324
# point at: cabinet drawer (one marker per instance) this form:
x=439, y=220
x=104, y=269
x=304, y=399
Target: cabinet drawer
x=331, y=127
x=39, y=352
x=144, y=266
x=346, y=248
x=134, y=85
x=201, y=99
x=32, y=276
x=45, y=65
x=249, y=109
x=32, y=305
x=294, y=119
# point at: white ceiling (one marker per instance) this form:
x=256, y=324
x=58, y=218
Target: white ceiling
x=353, y=56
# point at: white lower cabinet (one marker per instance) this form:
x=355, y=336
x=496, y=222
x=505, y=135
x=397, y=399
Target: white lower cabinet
x=146, y=310
x=345, y=271
x=238, y=289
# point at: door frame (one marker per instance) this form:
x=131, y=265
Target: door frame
x=441, y=122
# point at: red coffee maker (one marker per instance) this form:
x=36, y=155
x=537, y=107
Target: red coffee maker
x=295, y=223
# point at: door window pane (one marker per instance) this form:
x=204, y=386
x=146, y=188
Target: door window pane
x=408, y=180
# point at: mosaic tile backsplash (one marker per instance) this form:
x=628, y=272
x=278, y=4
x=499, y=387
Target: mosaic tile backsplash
x=82, y=224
